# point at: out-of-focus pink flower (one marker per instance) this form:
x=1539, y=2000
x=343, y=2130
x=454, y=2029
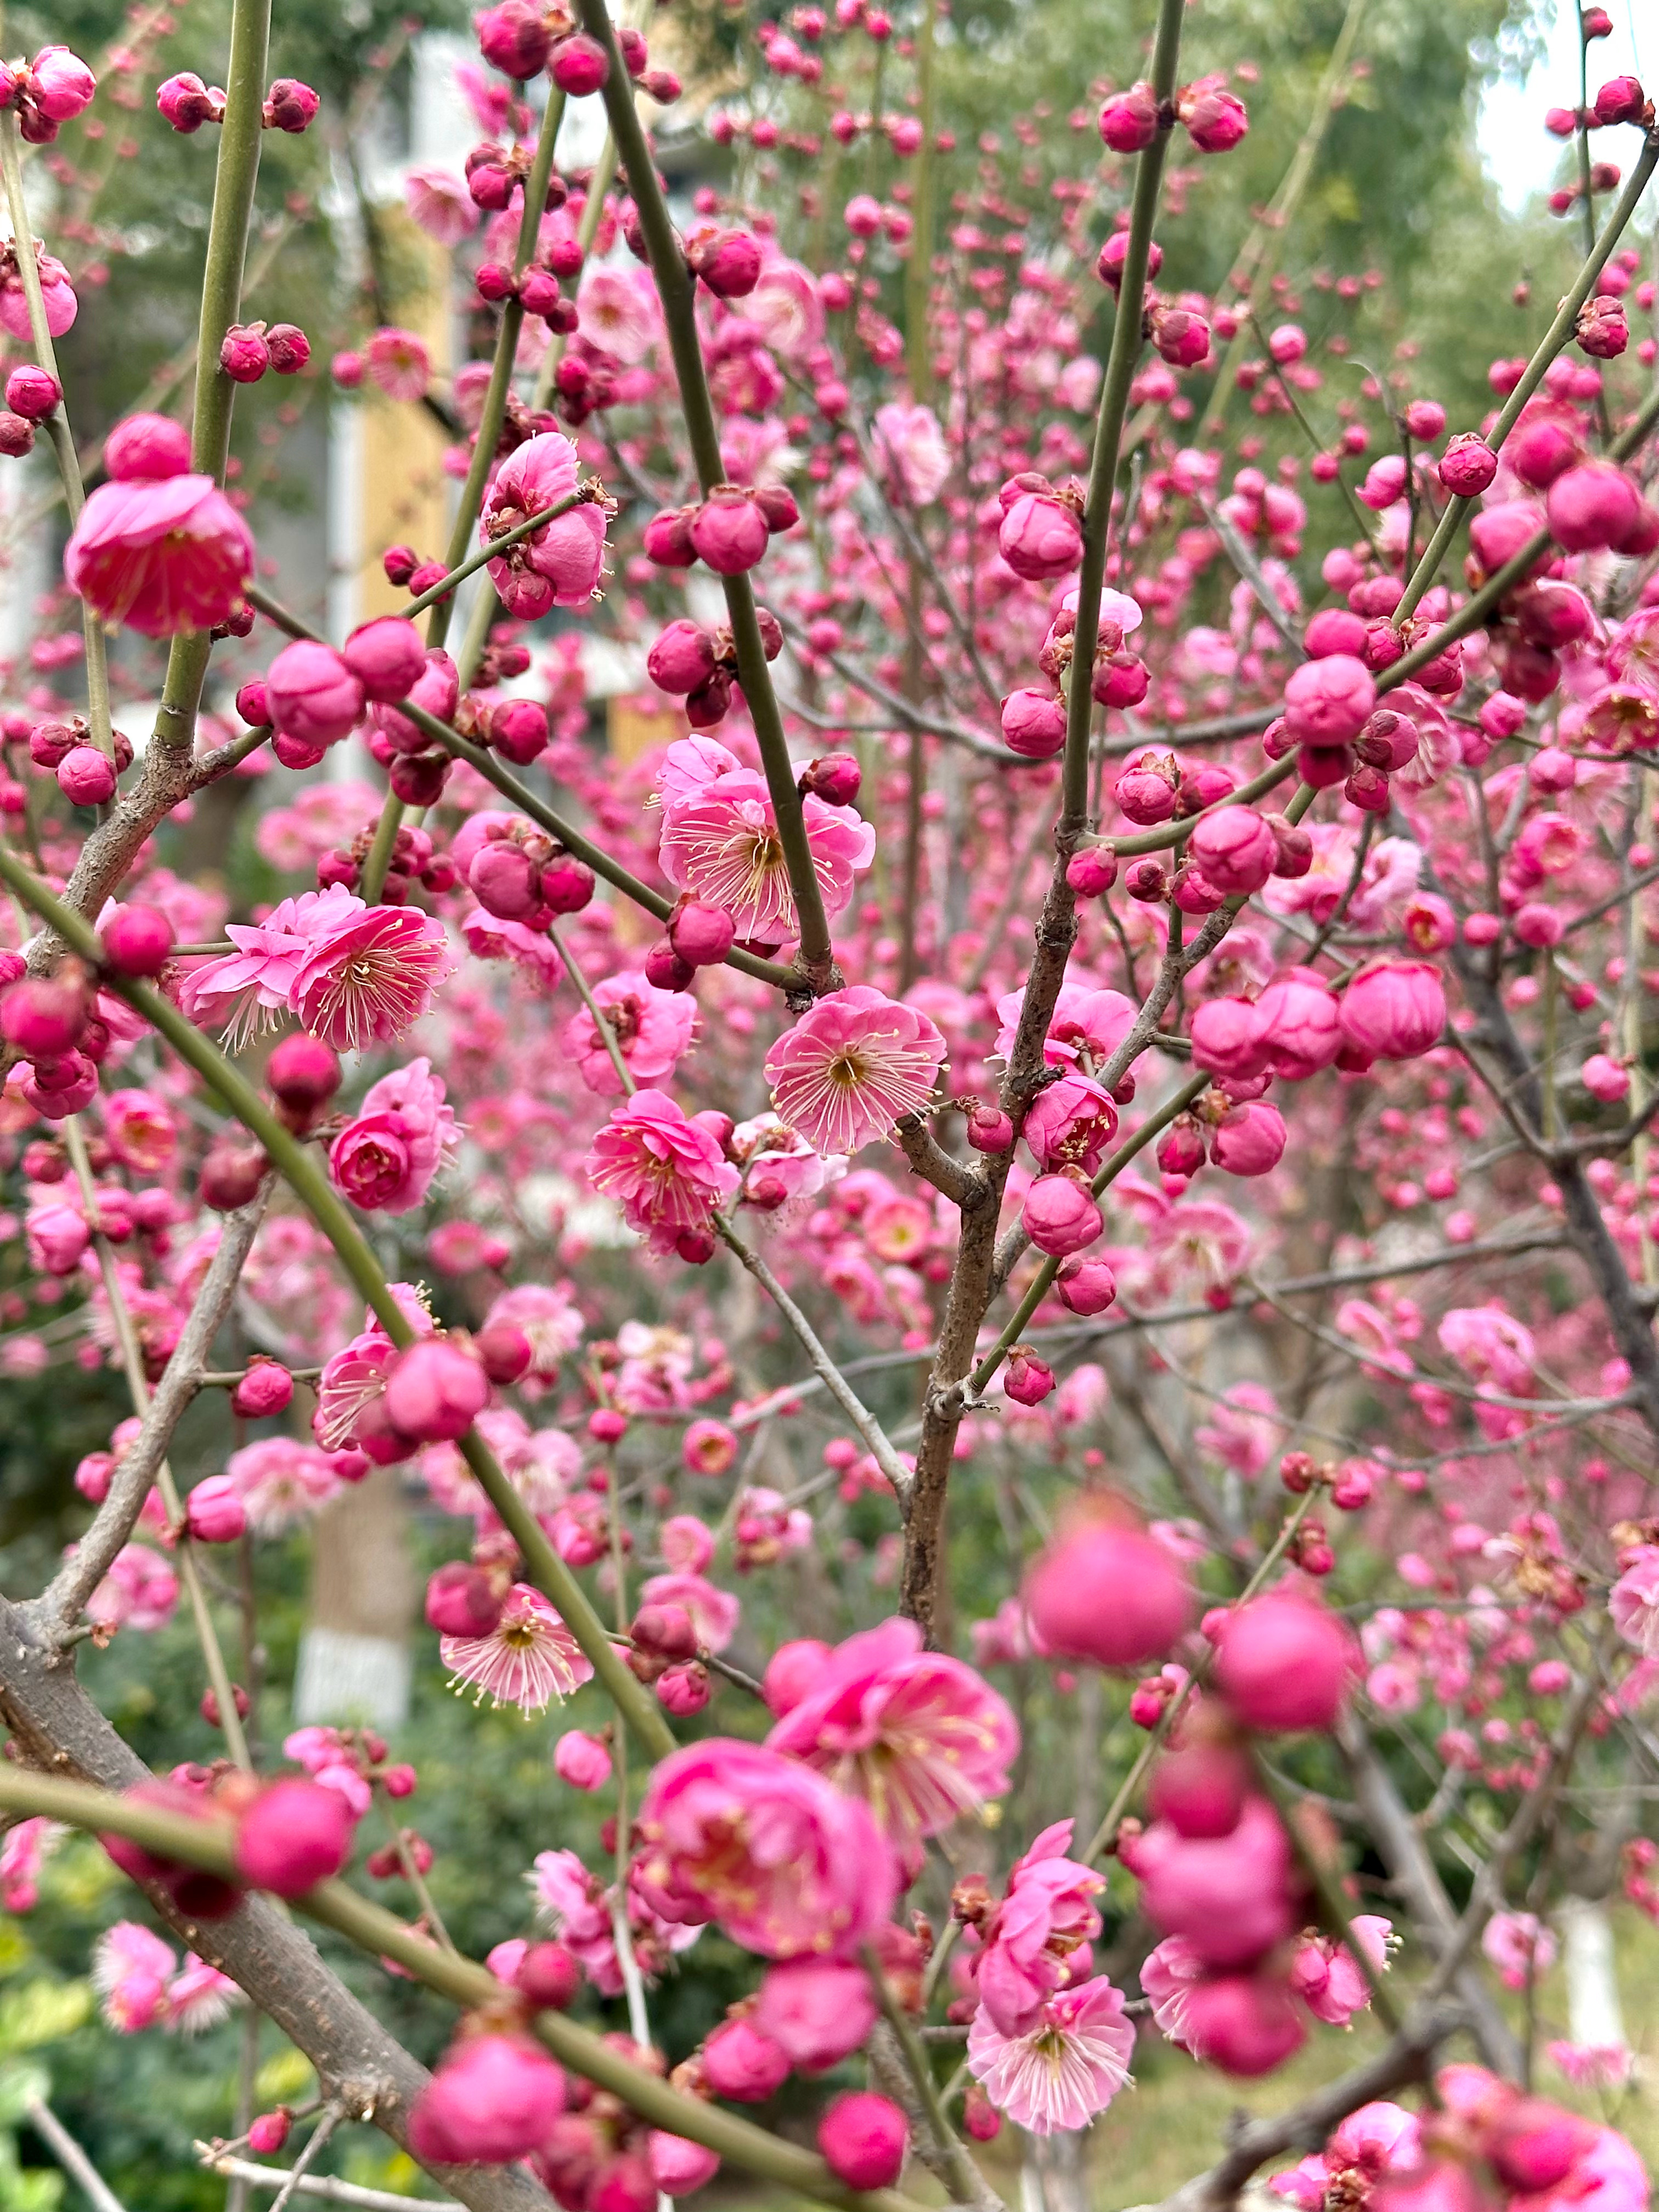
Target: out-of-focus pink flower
x=617, y=313
x=1244, y=1430
x=1375, y=2140
x=527, y=1659
x=279, y=1481
x=1519, y=1946
x=714, y=1612
x=385, y=1158
x=131, y=1970
x=56, y=296
x=1327, y=1978
x=1232, y=1897
x=909, y=441
x=159, y=557
x=917, y=1734
x=785, y=1862
x=1063, y=2070
x=1633, y=1600
x=818, y=2011
x=719, y=842
x=24, y=1851
x=650, y=1028
x=398, y=363
x=139, y=1592
x=667, y=1174
x=199, y=1996
x=852, y=1065
x=439, y=203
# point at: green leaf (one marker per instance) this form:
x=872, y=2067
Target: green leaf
x=20, y=2086
x=42, y=2011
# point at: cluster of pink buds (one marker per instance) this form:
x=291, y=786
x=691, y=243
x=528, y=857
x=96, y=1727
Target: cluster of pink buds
x=1214, y=119
x=414, y=861
x=521, y=39
x=32, y=394
x=289, y=106
x=727, y=532
x=697, y=662
x=664, y=1653
x=1219, y=1876
x=494, y=173
x=51, y=90
x=50, y=1022
x=519, y=873
x=536, y=288
x=287, y=1835
x=86, y=775
x=248, y=349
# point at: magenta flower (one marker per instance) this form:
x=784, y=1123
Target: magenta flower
x=735, y=1833
x=917, y=1734
x=385, y=1158
x=159, y=557
x=719, y=842
x=651, y=1028
x=667, y=1174
x=1086, y=1027
x=561, y=565
x=527, y=1659
x=131, y=1971
x=365, y=982
x=1066, y=2069
x=851, y=1067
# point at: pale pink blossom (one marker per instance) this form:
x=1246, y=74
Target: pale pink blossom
x=785, y=307
x=1244, y=1430
x=617, y=312
x=527, y=1659
x=1519, y=1946
x=1327, y=1978
x=139, y=1592
x=439, y=203
x=714, y=1612
x=1633, y=1600
x=199, y=1996
x=666, y=1173
x=281, y=1482
x=651, y=1029
x=398, y=363
x=1085, y=1030
x=1491, y=1345
x=131, y=1970
x=911, y=446
x=550, y=1317
x=852, y=1065
x=1066, y=2069
x=720, y=843
x=917, y=1734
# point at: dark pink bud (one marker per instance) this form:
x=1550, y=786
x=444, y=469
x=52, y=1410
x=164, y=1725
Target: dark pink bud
x=1128, y=120
x=214, y=1512
x=1092, y=871
x=667, y=539
x=265, y=1389
x=864, y=2138
x=293, y=1835
x=1469, y=464
x=270, y=2131
x=44, y=1015
x=505, y=880
x=506, y=1351
x=579, y=65
x=1061, y=1216
x=289, y=104
x=567, y=885
x=728, y=533
x=493, y=2099
x=1622, y=100
x=728, y=262
x=682, y=659
x=386, y=657
x=16, y=435
x=137, y=940
x=30, y=393
x=290, y=349
x=187, y=104
x=702, y=935
x=243, y=354
x=86, y=777
x=518, y=730
x=231, y=1174
x=1200, y=1791
x=665, y=970
x=303, y=1075
x=1285, y=1663
x=462, y=1601
x=684, y=1689
x=436, y=1391
x=989, y=1129
x=1245, y=2024
x=548, y=1977
x=1033, y=724
x=1085, y=1286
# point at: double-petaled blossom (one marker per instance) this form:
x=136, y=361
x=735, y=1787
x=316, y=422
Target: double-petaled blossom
x=559, y=565
x=385, y=1158
x=1063, y=2069
x=854, y=1064
x=367, y=979
x=649, y=1028
x=1085, y=1028
x=786, y=1863
x=916, y=1734
x=1029, y=1943
x=244, y=991
x=1330, y=1979
x=1377, y=2139
x=526, y=1660
x=159, y=557
x=720, y=843
x=667, y=1173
